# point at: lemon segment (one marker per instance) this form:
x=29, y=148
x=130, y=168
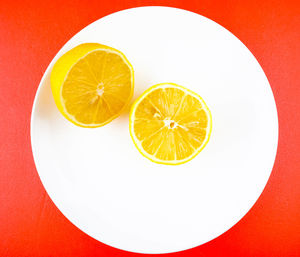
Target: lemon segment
x=92, y=84
x=170, y=124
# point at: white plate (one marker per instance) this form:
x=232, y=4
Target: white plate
x=104, y=186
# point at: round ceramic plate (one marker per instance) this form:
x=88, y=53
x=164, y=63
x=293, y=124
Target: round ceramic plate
x=105, y=187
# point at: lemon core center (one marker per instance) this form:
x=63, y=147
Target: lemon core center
x=100, y=89
x=171, y=124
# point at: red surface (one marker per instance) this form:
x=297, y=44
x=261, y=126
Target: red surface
x=31, y=33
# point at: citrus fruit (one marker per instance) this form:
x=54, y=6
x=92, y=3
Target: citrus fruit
x=170, y=124
x=92, y=84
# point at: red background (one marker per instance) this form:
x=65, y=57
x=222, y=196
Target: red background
x=32, y=32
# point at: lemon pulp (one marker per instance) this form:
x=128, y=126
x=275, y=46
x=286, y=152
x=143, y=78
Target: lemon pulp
x=92, y=84
x=170, y=124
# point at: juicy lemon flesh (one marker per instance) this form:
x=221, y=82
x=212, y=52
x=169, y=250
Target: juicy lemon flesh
x=91, y=84
x=97, y=87
x=170, y=124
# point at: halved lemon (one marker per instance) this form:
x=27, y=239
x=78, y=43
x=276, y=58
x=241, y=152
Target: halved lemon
x=92, y=84
x=170, y=124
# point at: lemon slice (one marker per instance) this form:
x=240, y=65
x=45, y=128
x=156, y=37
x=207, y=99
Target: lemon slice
x=92, y=84
x=170, y=124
